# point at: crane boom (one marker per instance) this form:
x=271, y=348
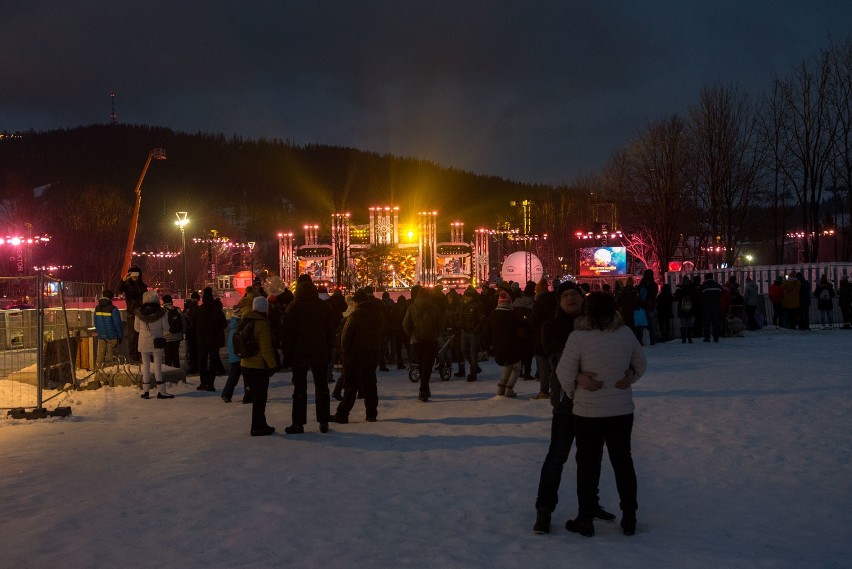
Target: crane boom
x=155, y=154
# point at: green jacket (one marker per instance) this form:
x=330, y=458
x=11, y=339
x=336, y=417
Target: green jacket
x=265, y=358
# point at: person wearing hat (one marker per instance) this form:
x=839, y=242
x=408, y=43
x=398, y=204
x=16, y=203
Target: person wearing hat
x=151, y=322
x=173, y=333
x=107, y=320
x=360, y=345
x=505, y=343
x=133, y=287
x=257, y=369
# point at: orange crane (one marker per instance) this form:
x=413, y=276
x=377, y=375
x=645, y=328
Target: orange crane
x=155, y=154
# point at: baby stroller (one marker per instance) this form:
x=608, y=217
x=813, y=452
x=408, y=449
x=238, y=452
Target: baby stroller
x=443, y=365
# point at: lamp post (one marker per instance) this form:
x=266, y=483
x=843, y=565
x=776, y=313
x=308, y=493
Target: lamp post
x=181, y=222
x=251, y=245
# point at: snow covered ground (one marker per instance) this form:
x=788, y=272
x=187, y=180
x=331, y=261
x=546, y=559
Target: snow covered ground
x=742, y=451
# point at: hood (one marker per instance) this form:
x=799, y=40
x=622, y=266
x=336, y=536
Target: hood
x=306, y=290
x=104, y=302
x=150, y=312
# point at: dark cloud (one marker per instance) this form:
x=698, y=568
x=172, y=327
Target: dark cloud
x=533, y=91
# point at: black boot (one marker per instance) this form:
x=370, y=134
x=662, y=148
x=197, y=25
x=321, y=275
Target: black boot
x=542, y=521
x=460, y=372
x=628, y=523
x=584, y=527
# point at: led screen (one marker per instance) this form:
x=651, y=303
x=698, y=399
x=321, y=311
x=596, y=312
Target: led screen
x=602, y=261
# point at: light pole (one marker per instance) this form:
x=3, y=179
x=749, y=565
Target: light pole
x=251, y=245
x=181, y=222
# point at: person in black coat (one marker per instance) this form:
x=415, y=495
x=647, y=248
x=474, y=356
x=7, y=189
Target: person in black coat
x=361, y=344
x=308, y=340
x=543, y=309
x=506, y=343
x=133, y=287
x=664, y=312
x=210, y=324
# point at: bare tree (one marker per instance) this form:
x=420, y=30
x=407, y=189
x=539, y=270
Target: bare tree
x=659, y=163
x=724, y=163
x=807, y=132
x=840, y=99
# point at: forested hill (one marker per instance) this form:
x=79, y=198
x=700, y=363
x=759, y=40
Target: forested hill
x=246, y=189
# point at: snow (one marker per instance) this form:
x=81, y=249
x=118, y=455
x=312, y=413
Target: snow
x=742, y=451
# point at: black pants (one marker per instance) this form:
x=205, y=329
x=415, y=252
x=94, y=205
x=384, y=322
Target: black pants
x=172, y=354
x=425, y=352
x=360, y=375
x=592, y=433
x=259, y=380
x=207, y=355
x=192, y=351
x=319, y=372
x=561, y=439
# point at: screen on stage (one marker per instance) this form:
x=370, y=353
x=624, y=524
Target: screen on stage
x=602, y=261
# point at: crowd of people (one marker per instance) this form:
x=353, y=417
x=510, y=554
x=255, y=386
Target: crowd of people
x=586, y=346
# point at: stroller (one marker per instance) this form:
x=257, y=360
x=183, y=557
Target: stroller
x=443, y=365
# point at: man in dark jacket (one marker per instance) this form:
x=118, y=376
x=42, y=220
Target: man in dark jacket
x=544, y=309
x=210, y=324
x=711, y=300
x=361, y=342
x=108, y=324
x=472, y=322
x=308, y=339
x=133, y=287
x=423, y=321
x=555, y=332
x=190, y=311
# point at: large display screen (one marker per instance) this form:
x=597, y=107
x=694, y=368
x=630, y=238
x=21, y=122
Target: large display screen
x=602, y=261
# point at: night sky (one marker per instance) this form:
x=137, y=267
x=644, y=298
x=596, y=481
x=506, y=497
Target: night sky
x=531, y=91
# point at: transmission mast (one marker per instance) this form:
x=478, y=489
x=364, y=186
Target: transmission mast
x=113, y=118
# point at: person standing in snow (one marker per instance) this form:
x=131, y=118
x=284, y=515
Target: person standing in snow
x=151, y=322
x=603, y=406
x=555, y=332
x=506, y=344
x=257, y=369
x=133, y=287
x=423, y=321
x=107, y=321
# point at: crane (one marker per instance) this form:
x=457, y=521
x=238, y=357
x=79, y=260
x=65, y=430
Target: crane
x=155, y=154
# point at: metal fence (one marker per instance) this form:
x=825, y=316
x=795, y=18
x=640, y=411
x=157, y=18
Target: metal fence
x=43, y=338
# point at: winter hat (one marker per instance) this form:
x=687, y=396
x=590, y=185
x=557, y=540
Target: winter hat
x=260, y=304
x=167, y=299
x=529, y=288
x=150, y=297
x=360, y=296
x=109, y=294
x=504, y=297
x=567, y=285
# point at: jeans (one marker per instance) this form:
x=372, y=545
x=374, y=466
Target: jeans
x=360, y=376
x=561, y=438
x=259, y=380
x=545, y=370
x=470, y=348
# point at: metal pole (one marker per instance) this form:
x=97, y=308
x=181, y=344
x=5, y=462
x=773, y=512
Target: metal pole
x=185, y=280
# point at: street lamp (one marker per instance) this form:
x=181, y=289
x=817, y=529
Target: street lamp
x=182, y=221
x=251, y=245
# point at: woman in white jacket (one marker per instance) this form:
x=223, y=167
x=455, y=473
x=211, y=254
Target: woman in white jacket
x=602, y=347
x=152, y=321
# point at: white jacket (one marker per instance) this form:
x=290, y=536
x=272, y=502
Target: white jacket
x=607, y=353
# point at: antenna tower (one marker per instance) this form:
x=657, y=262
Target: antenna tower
x=113, y=119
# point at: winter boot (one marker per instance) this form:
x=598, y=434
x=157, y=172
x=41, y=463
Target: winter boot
x=628, y=523
x=542, y=521
x=584, y=527
x=460, y=372
x=471, y=377
x=162, y=391
x=510, y=392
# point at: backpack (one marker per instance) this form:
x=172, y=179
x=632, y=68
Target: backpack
x=825, y=295
x=245, y=344
x=686, y=304
x=175, y=321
